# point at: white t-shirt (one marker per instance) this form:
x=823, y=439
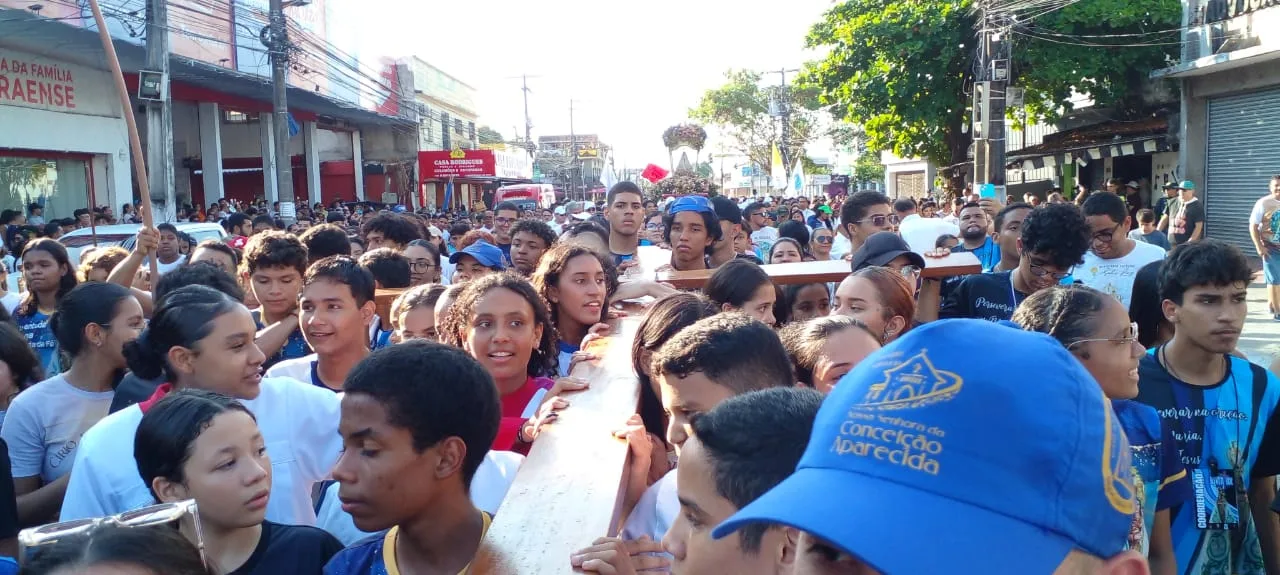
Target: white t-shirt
x=10, y=301
x=1116, y=276
x=299, y=368
x=44, y=425
x=488, y=488
x=840, y=246
x=164, y=268
x=299, y=423
x=1266, y=205
x=656, y=510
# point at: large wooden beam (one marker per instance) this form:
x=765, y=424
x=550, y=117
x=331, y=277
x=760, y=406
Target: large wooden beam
x=569, y=489
x=831, y=271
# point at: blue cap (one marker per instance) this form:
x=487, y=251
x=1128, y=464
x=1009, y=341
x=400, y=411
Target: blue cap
x=484, y=252
x=922, y=460
x=691, y=204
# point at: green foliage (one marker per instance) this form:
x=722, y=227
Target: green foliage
x=740, y=108
x=868, y=169
x=488, y=135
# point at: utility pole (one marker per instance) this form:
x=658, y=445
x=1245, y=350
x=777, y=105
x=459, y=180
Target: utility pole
x=160, y=114
x=784, y=112
x=993, y=57
x=528, y=125
x=276, y=38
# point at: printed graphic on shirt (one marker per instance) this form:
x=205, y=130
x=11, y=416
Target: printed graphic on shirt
x=36, y=329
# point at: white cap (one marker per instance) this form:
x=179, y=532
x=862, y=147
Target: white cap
x=435, y=232
x=1131, y=184
x=582, y=216
x=559, y=210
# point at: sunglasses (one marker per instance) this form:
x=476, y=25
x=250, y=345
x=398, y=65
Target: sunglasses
x=879, y=220
x=162, y=514
x=824, y=239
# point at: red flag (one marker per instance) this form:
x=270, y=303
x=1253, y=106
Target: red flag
x=653, y=173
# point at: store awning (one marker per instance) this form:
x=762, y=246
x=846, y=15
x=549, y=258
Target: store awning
x=1094, y=142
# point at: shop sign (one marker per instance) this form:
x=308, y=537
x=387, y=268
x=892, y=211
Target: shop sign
x=31, y=81
x=442, y=164
x=513, y=165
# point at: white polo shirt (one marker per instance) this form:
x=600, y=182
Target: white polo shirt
x=299, y=423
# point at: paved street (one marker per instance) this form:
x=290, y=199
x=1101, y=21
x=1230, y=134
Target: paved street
x=1261, y=338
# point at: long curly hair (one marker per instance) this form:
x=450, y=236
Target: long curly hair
x=553, y=264
x=544, y=361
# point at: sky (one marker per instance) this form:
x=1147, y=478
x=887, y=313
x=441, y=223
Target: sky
x=631, y=67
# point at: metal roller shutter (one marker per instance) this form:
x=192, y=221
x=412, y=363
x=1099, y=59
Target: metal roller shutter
x=1241, y=158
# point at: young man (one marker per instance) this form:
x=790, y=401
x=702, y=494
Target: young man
x=1170, y=190
x=325, y=240
x=274, y=263
x=390, y=268
x=168, y=254
x=1054, y=239
x=906, y=443
x=863, y=214
x=505, y=215
x=1264, y=229
x=696, y=370
x=557, y=225
x=1188, y=224
x=755, y=221
x=691, y=228
x=417, y=420
x=1147, y=232
x=476, y=260
x=238, y=225
x=730, y=217
x=388, y=230
x=975, y=236
x=263, y=223
x=335, y=311
x=529, y=240
x=1223, y=411
x=1008, y=226
x=1113, y=259
x=625, y=212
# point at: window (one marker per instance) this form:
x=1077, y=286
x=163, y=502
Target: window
x=237, y=117
x=457, y=125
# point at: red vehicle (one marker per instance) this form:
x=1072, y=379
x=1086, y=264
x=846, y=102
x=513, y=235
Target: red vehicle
x=526, y=196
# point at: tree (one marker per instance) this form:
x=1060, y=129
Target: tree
x=741, y=109
x=868, y=169
x=904, y=70
x=488, y=135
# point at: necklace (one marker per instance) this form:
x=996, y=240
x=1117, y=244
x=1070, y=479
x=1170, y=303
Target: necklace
x=1168, y=365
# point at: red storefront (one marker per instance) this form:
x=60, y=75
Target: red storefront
x=450, y=179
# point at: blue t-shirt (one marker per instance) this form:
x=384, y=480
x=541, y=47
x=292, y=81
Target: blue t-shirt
x=1158, y=471
x=1226, y=434
x=40, y=336
x=381, y=339
x=566, y=356
x=294, y=347
x=376, y=554
x=988, y=253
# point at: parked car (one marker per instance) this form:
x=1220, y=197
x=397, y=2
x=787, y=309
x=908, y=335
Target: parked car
x=125, y=235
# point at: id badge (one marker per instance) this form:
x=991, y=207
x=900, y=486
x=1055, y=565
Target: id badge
x=1217, y=506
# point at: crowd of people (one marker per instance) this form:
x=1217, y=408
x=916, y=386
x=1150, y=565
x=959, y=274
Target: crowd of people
x=1079, y=406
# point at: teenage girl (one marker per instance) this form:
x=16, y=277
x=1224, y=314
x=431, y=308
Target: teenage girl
x=49, y=275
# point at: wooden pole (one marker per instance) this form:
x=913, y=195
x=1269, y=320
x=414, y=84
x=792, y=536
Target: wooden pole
x=135, y=142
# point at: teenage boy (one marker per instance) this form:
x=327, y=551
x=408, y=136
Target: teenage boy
x=274, y=263
x=168, y=252
x=325, y=240
x=975, y=236
x=388, y=230
x=863, y=214
x=478, y=259
x=1113, y=260
x=625, y=212
x=906, y=444
x=696, y=370
x=417, y=420
x=335, y=310
x=1222, y=410
x=1147, y=232
x=529, y=240
x=505, y=215
x=691, y=228
x=1188, y=224
x=1008, y=226
x=263, y=223
x=1264, y=229
x=755, y=220
x=1054, y=239
x=390, y=268
x=730, y=217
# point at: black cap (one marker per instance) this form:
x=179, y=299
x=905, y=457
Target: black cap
x=881, y=248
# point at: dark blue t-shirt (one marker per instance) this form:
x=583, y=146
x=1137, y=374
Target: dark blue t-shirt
x=294, y=347
x=1159, y=475
x=40, y=337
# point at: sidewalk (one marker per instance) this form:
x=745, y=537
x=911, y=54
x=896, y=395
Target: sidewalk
x=1261, y=337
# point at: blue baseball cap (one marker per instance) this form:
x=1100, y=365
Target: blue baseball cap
x=691, y=204
x=484, y=252
x=924, y=461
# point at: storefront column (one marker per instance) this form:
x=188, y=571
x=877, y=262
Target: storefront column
x=357, y=151
x=211, y=150
x=312, y=154
x=267, y=134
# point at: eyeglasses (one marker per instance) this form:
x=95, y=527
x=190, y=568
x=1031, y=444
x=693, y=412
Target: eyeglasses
x=161, y=514
x=879, y=220
x=1107, y=236
x=1130, y=336
x=653, y=226
x=504, y=220
x=1039, y=271
x=910, y=271
x=420, y=265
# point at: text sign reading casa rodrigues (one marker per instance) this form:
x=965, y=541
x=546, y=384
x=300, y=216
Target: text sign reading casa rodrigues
x=1219, y=10
x=456, y=164
x=30, y=81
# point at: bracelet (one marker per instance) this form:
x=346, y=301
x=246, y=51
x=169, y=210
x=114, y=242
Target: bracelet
x=520, y=437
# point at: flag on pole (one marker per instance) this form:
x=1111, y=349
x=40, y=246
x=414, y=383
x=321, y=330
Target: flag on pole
x=607, y=177
x=448, y=195
x=798, y=181
x=777, y=172
x=654, y=173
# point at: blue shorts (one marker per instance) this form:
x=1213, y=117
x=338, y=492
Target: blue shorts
x=1271, y=268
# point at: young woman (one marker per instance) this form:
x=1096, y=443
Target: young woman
x=1096, y=329
x=200, y=338
x=414, y=312
x=820, y=243
x=823, y=349
x=44, y=425
x=881, y=298
x=111, y=550
x=206, y=446
x=424, y=262
x=740, y=285
x=804, y=302
x=502, y=322
x=1145, y=307
x=652, y=229
x=577, y=282
x=49, y=275
x=97, y=264
x=785, y=251
x=19, y=366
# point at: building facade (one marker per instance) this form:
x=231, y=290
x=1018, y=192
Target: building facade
x=1230, y=109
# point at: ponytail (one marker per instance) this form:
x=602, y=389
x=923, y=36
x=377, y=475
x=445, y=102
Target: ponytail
x=185, y=317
